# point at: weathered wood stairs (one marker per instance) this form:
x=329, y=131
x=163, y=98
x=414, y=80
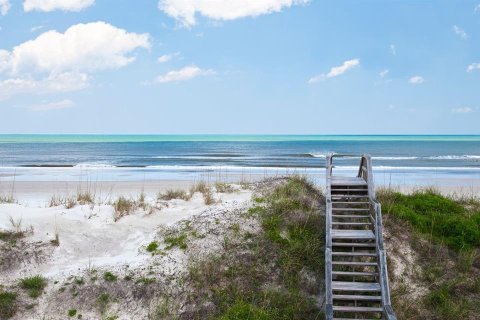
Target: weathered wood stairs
x=356, y=276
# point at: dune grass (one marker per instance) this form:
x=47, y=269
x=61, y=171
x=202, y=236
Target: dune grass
x=174, y=194
x=443, y=232
x=123, y=207
x=8, y=304
x=272, y=274
x=34, y=285
x=431, y=213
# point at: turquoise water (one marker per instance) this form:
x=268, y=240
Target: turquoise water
x=46, y=138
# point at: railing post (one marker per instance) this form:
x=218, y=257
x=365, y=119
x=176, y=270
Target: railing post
x=328, y=242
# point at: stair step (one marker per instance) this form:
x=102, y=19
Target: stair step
x=351, y=202
x=350, y=190
x=354, y=263
x=354, y=254
x=357, y=309
x=354, y=274
x=351, y=223
x=356, y=297
x=352, y=234
x=341, y=196
x=356, y=286
x=350, y=209
x=353, y=244
x=350, y=216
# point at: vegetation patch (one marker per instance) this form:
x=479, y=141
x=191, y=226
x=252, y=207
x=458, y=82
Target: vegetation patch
x=174, y=194
x=275, y=274
x=223, y=187
x=34, y=285
x=176, y=241
x=109, y=277
x=438, y=229
x=8, y=304
x=440, y=217
x=123, y=207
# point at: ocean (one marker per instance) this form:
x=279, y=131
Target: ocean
x=419, y=159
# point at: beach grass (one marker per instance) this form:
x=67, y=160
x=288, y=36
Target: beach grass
x=123, y=207
x=443, y=232
x=171, y=194
x=34, y=285
x=8, y=304
x=272, y=274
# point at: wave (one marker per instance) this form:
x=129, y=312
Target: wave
x=94, y=165
x=455, y=157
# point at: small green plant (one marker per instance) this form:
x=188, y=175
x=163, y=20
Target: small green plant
x=122, y=207
x=109, y=276
x=102, y=301
x=176, y=241
x=72, y=312
x=34, y=285
x=79, y=281
x=152, y=246
x=8, y=304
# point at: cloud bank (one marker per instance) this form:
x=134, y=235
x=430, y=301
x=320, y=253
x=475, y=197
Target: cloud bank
x=185, y=11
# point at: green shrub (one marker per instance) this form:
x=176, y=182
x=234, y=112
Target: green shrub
x=152, y=246
x=34, y=285
x=72, y=312
x=176, y=241
x=442, y=218
x=8, y=304
x=109, y=276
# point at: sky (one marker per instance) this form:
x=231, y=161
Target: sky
x=240, y=67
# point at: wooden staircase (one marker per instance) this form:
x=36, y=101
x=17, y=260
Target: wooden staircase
x=356, y=277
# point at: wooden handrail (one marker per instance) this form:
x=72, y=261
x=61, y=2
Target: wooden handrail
x=365, y=172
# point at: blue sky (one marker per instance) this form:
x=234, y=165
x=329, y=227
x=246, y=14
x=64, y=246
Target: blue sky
x=244, y=66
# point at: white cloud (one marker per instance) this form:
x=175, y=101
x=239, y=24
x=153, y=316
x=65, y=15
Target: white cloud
x=36, y=28
x=460, y=32
x=336, y=71
x=186, y=73
x=4, y=7
x=384, y=73
x=416, y=80
x=57, y=61
x=51, y=5
x=473, y=67
x=393, y=50
x=185, y=10
x=462, y=110
x=54, y=83
x=167, y=57
x=477, y=8
x=48, y=106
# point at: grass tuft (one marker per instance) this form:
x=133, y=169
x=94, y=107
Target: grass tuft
x=34, y=285
x=123, y=207
x=8, y=304
x=109, y=276
x=174, y=194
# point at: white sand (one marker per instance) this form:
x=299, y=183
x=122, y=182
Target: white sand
x=89, y=236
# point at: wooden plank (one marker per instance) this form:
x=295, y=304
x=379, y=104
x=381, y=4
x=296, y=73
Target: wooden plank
x=350, y=216
x=357, y=309
x=353, y=244
x=348, y=181
x=355, y=286
x=352, y=234
x=354, y=254
x=354, y=263
x=355, y=274
x=356, y=297
x=351, y=209
x=353, y=224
